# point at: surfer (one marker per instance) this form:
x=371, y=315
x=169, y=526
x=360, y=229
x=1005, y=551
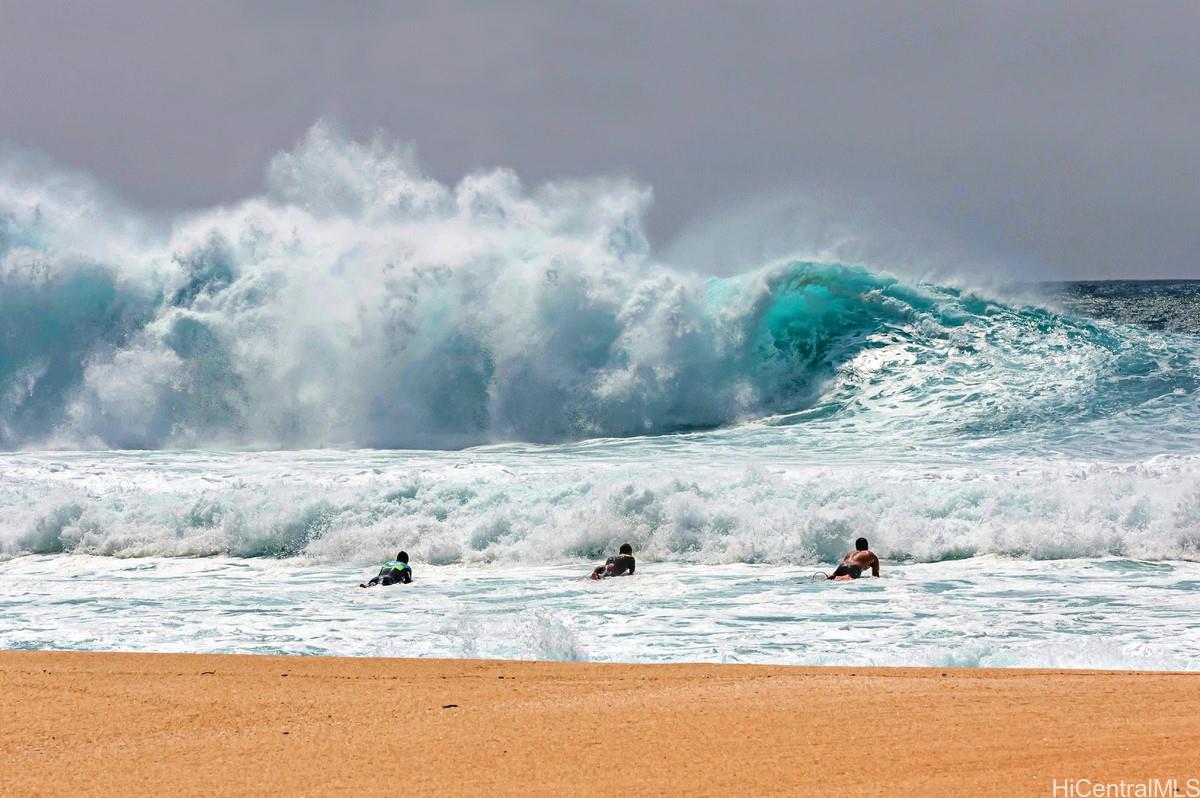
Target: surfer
x=621, y=565
x=398, y=571
x=857, y=561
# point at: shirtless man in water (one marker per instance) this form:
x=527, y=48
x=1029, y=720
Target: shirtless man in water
x=857, y=562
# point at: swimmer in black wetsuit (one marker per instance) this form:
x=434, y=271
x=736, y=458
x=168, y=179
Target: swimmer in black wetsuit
x=396, y=572
x=621, y=565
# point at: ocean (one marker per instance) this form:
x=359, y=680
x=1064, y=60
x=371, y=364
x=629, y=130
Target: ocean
x=216, y=424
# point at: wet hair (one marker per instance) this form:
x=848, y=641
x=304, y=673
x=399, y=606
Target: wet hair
x=402, y=556
x=626, y=548
x=861, y=544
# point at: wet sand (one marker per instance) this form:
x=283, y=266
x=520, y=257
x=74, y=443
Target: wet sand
x=155, y=724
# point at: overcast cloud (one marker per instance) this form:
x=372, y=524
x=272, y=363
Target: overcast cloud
x=1060, y=140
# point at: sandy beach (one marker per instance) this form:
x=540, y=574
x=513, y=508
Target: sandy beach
x=151, y=724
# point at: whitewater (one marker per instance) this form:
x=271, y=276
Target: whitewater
x=215, y=423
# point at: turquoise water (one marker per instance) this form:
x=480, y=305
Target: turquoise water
x=213, y=424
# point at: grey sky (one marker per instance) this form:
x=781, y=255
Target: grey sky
x=1055, y=139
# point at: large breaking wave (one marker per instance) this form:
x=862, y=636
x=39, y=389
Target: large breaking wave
x=359, y=303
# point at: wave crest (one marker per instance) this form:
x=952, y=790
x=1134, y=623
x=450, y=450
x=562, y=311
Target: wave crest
x=359, y=303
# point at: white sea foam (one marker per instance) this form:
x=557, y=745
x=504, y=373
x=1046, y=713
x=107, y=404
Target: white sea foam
x=705, y=503
x=997, y=612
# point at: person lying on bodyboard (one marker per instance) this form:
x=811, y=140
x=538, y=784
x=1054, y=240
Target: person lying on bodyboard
x=396, y=572
x=621, y=565
x=856, y=562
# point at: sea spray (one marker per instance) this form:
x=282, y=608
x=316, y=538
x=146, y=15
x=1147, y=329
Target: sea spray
x=357, y=302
